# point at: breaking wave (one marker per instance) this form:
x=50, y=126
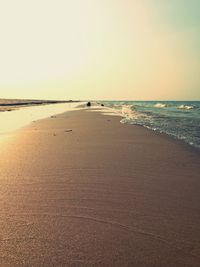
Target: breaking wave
x=185, y=107
x=160, y=105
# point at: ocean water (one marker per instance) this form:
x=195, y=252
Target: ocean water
x=180, y=119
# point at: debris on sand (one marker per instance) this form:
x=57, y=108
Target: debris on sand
x=88, y=104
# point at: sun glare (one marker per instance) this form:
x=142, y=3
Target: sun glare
x=100, y=49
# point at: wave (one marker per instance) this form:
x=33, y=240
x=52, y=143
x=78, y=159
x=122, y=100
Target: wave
x=160, y=105
x=127, y=111
x=185, y=107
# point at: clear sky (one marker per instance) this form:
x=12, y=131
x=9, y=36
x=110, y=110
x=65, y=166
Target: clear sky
x=100, y=49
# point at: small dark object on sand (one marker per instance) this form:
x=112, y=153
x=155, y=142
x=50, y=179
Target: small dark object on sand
x=67, y=131
x=102, y=105
x=88, y=104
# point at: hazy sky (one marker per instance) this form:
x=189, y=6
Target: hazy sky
x=100, y=49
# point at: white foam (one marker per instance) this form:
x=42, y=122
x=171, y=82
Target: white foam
x=185, y=107
x=127, y=112
x=160, y=105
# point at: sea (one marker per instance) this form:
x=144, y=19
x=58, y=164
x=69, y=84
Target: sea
x=179, y=119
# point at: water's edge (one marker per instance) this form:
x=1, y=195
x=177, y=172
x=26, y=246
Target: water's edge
x=177, y=119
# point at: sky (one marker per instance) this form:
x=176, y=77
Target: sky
x=100, y=49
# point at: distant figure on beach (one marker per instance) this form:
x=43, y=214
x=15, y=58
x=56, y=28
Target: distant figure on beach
x=88, y=104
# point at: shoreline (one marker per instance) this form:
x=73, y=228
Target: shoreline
x=172, y=138
x=157, y=132
x=14, y=104
x=181, y=121
x=82, y=189
x=97, y=108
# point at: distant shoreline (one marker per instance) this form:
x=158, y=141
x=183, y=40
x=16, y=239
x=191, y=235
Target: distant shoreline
x=13, y=104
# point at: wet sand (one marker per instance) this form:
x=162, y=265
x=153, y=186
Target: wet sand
x=81, y=189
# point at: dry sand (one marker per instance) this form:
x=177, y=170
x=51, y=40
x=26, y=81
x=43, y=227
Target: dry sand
x=103, y=194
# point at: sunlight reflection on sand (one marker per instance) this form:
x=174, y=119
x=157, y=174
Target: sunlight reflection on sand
x=11, y=121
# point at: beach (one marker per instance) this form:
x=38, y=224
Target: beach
x=83, y=189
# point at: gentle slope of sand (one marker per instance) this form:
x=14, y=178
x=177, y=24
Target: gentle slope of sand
x=103, y=194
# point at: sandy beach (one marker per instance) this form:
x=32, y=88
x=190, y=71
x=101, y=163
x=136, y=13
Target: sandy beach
x=82, y=189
